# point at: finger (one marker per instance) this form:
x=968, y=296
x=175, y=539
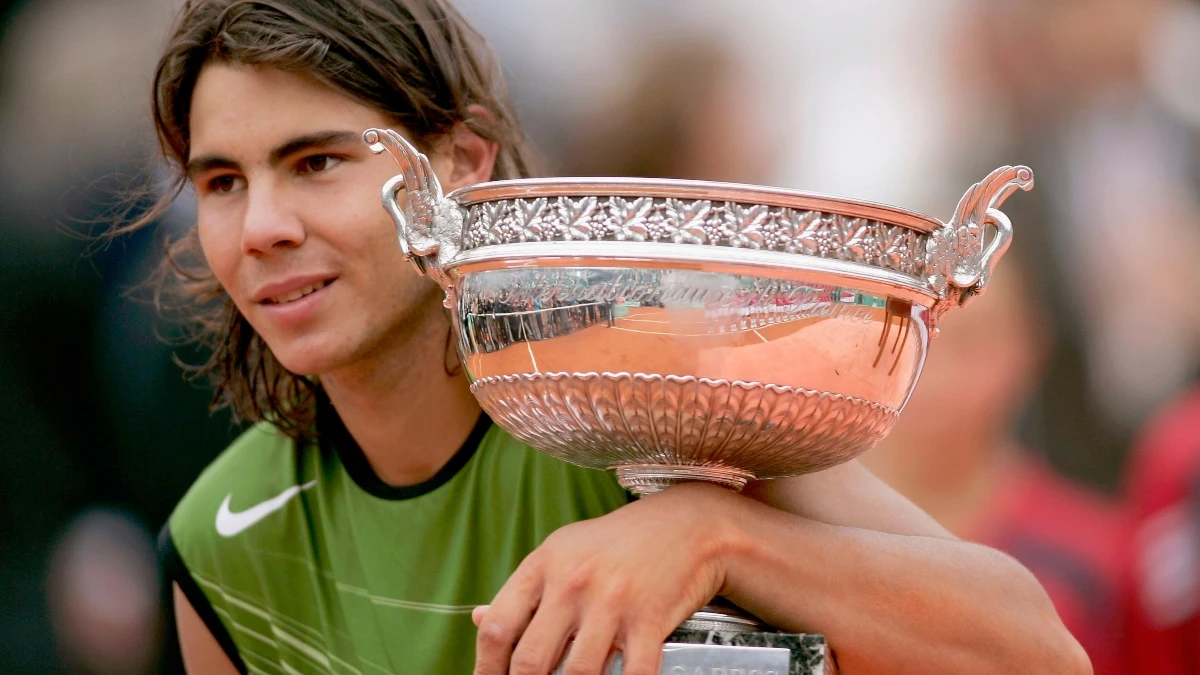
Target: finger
x=478, y=613
x=505, y=621
x=541, y=645
x=642, y=652
x=593, y=644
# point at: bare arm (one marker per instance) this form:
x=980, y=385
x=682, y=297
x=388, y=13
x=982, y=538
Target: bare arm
x=891, y=589
x=848, y=495
x=201, y=653
x=837, y=552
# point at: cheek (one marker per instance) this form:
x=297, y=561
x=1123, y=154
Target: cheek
x=390, y=273
x=221, y=245
x=365, y=232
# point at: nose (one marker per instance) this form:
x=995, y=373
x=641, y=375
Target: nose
x=270, y=223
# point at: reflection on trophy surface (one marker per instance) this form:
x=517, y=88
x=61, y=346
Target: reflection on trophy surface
x=677, y=331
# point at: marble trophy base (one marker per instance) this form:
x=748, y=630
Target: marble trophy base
x=716, y=641
x=806, y=653
x=709, y=652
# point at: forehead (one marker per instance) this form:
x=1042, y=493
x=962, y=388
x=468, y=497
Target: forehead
x=244, y=111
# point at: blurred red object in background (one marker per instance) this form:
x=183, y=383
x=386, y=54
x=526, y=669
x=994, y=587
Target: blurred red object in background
x=1164, y=495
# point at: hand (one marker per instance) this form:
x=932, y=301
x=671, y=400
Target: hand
x=622, y=582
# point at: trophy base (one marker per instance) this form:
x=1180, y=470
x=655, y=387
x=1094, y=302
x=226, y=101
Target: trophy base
x=695, y=652
x=722, y=640
x=724, y=624
x=645, y=479
x=714, y=652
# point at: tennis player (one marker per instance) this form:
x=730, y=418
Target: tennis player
x=372, y=511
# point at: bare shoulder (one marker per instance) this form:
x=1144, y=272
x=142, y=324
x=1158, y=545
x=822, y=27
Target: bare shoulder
x=201, y=652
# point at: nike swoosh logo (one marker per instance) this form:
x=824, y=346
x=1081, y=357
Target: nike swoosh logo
x=230, y=523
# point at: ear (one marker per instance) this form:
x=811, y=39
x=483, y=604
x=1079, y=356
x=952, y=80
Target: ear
x=472, y=157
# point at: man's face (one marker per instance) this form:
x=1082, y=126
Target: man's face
x=290, y=220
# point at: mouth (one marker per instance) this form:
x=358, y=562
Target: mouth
x=293, y=296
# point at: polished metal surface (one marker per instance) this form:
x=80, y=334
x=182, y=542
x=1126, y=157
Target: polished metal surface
x=668, y=375
x=681, y=330
x=690, y=659
x=726, y=617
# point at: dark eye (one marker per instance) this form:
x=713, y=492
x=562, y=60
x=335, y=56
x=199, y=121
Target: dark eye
x=318, y=163
x=224, y=183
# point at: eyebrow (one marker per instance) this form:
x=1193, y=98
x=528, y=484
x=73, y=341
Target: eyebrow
x=320, y=139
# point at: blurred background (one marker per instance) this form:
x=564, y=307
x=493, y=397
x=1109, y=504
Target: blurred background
x=1057, y=420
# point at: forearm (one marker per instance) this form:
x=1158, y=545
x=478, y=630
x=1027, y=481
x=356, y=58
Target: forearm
x=891, y=603
x=847, y=494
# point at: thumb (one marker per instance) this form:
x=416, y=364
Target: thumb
x=478, y=613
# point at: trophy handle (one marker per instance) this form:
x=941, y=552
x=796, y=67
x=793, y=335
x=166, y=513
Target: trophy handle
x=958, y=265
x=430, y=228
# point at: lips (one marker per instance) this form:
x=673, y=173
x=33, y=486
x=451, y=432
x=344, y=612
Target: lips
x=292, y=289
x=296, y=294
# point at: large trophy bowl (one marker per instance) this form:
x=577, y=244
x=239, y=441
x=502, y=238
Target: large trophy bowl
x=678, y=331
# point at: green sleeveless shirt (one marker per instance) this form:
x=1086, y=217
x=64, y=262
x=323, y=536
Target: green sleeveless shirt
x=300, y=560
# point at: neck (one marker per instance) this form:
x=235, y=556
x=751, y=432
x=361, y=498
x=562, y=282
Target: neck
x=406, y=413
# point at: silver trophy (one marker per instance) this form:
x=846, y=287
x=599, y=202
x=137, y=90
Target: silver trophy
x=677, y=331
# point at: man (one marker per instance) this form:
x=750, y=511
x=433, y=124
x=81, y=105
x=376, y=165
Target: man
x=358, y=526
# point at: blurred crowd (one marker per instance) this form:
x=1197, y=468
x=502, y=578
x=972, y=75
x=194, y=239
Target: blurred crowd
x=1058, y=419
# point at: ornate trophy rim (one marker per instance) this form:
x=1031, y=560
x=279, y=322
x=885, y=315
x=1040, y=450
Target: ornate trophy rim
x=585, y=186
x=953, y=260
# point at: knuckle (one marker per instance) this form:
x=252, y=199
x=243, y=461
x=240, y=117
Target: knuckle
x=493, y=634
x=618, y=590
x=576, y=578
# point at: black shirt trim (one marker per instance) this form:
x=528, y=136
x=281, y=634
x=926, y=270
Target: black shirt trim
x=175, y=570
x=332, y=434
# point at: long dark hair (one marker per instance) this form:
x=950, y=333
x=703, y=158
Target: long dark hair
x=417, y=61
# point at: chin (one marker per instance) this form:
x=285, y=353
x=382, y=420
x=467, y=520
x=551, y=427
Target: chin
x=308, y=365
x=307, y=357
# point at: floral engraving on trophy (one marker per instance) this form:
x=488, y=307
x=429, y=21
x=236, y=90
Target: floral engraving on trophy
x=899, y=246
x=533, y=227
x=690, y=220
x=576, y=217
x=857, y=240
x=745, y=224
x=630, y=220
x=798, y=231
x=698, y=222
